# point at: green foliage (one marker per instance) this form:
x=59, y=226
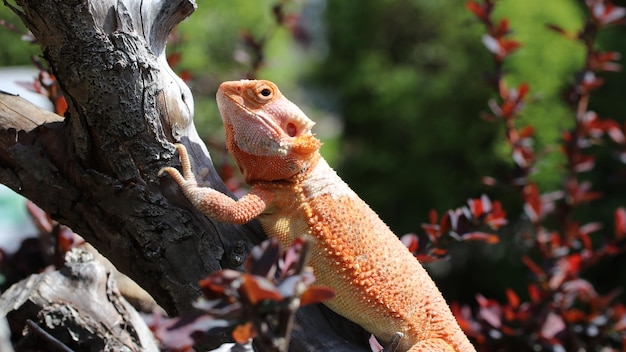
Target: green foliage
x=546, y=61
x=408, y=76
x=209, y=39
x=403, y=72
x=15, y=52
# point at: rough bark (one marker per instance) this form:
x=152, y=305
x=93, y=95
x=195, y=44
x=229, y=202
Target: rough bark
x=78, y=307
x=96, y=169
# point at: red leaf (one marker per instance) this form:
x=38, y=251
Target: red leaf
x=534, y=293
x=411, y=242
x=620, y=223
x=603, y=61
x=217, y=284
x=614, y=130
x=532, y=266
x=509, y=108
x=433, y=231
x=522, y=90
x=583, y=162
x=478, y=207
x=445, y=223
x=590, y=82
x=258, y=289
x=316, y=294
x=502, y=29
x=477, y=9
x=244, y=332
x=532, y=199
x=509, y=46
x=572, y=316
x=606, y=13
x=60, y=105
x=497, y=217
x=433, y=216
x=481, y=236
x=572, y=263
x=513, y=298
x=440, y=252
x=580, y=192
x=426, y=258
x=174, y=59
x=527, y=132
x=463, y=315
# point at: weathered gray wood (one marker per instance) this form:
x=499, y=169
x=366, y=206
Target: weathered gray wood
x=5, y=336
x=79, y=305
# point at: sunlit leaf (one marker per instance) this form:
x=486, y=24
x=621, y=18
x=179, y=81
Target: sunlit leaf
x=316, y=294
x=243, y=333
x=258, y=289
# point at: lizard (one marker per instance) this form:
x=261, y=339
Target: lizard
x=378, y=283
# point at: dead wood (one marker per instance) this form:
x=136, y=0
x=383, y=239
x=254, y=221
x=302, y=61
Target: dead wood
x=78, y=308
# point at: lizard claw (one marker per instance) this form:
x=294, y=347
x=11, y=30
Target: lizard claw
x=187, y=178
x=395, y=341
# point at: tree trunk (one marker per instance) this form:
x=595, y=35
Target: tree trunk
x=96, y=169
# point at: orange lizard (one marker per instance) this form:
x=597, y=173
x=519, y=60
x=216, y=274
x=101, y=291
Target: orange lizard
x=378, y=283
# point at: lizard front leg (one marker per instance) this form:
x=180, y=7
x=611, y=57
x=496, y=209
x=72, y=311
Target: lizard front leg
x=215, y=204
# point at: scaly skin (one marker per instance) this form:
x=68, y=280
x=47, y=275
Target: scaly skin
x=378, y=282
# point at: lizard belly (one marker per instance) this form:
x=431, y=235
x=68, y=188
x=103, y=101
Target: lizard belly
x=378, y=283
x=376, y=279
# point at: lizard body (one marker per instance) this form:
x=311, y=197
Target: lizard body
x=378, y=283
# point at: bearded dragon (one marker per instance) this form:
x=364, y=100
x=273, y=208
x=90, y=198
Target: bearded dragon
x=379, y=284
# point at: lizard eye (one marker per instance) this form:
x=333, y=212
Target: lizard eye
x=264, y=93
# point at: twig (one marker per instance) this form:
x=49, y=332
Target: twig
x=47, y=337
x=294, y=302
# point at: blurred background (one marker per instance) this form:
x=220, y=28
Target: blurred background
x=397, y=88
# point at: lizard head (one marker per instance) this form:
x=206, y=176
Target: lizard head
x=269, y=137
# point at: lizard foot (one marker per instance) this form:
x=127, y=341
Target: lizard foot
x=187, y=179
x=393, y=344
